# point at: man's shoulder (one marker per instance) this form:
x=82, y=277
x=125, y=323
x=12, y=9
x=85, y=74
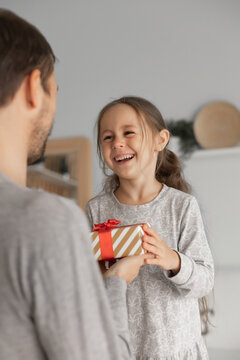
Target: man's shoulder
x=22, y=205
x=25, y=199
x=44, y=200
x=39, y=222
x=51, y=206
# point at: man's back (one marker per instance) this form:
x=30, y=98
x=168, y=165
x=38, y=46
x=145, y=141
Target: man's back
x=52, y=298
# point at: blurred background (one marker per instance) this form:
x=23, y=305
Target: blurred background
x=181, y=55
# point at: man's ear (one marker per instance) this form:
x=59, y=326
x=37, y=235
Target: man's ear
x=34, y=88
x=162, y=139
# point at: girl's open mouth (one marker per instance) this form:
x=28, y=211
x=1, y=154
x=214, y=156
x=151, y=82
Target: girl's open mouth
x=123, y=158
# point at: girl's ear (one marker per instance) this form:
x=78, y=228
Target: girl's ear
x=162, y=139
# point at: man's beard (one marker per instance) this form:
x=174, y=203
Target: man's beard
x=38, y=143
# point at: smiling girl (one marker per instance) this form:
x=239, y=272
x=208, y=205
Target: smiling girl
x=146, y=186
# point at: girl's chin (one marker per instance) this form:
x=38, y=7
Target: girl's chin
x=127, y=176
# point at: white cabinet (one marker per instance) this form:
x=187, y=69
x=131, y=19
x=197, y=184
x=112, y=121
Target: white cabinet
x=215, y=179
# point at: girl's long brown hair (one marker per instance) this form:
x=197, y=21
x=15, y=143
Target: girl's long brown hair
x=168, y=167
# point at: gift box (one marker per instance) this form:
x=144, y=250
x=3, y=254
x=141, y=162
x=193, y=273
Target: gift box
x=110, y=241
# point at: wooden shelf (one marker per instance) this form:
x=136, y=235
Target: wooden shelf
x=74, y=154
x=216, y=152
x=51, y=176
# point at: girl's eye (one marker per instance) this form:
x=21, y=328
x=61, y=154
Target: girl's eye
x=128, y=133
x=107, y=138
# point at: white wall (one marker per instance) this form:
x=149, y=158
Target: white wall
x=178, y=54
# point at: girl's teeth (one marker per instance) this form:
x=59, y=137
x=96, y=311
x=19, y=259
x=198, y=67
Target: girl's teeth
x=124, y=158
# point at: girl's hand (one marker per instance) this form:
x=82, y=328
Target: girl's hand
x=164, y=256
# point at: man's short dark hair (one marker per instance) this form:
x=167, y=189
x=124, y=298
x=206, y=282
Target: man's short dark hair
x=22, y=49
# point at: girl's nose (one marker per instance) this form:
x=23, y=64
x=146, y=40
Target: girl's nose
x=118, y=143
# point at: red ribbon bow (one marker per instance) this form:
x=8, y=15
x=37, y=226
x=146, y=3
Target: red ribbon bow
x=105, y=238
x=111, y=224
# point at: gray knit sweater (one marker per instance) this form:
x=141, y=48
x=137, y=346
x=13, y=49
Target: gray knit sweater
x=163, y=311
x=53, y=303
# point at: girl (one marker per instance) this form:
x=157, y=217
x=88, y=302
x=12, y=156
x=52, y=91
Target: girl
x=147, y=187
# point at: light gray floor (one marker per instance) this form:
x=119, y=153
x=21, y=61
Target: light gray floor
x=225, y=333
x=220, y=354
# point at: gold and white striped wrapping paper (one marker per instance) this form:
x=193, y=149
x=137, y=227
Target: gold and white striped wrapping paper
x=127, y=241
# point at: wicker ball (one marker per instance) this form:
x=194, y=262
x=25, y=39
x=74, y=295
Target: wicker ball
x=217, y=125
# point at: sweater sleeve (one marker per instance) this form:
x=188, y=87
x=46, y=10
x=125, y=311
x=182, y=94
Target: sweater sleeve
x=75, y=317
x=196, y=275
x=89, y=216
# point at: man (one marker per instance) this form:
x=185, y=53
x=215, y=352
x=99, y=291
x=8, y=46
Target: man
x=53, y=303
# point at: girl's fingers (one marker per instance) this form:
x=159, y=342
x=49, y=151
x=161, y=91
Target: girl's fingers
x=149, y=240
x=152, y=233
x=148, y=256
x=150, y=248
x=145, y=256
x=148, y=230
x=154, y=261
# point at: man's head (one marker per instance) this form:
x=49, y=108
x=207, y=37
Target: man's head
x=26, y=56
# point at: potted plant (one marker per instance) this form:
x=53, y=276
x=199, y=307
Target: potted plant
x=183, y=130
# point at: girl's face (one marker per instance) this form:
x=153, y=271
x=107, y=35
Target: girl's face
x=125, y=150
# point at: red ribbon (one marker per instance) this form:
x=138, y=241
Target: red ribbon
x=111, y=224
x=105, y=238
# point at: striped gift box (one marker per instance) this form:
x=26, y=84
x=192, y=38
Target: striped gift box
x=125, y=241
